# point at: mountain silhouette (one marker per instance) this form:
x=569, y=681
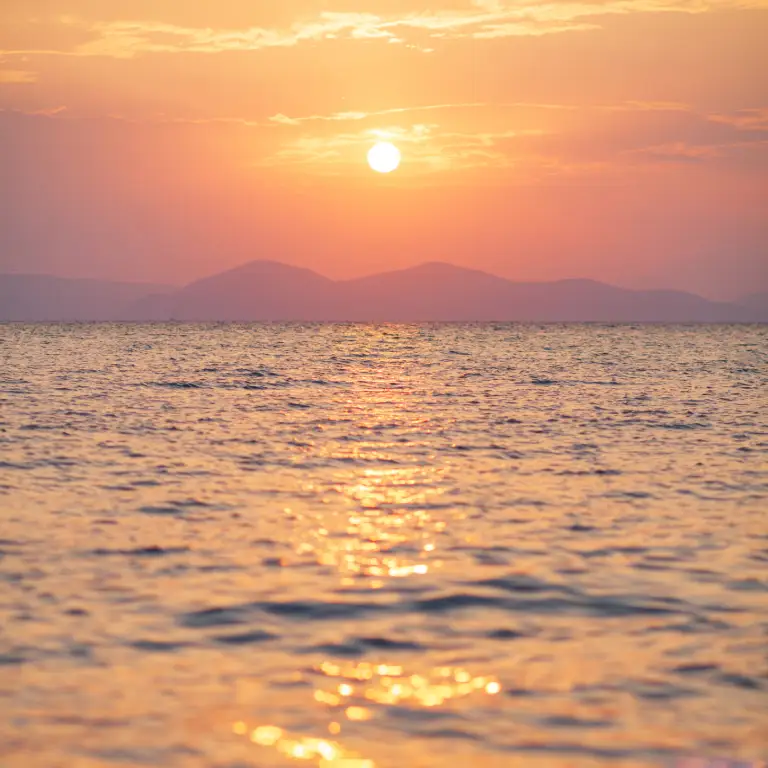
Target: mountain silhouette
x=46, y=298
x=437, y=291
x=755, y=301
x=434, y=291
x=259, y=290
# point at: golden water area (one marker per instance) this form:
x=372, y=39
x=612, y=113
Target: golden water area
x=359, y=546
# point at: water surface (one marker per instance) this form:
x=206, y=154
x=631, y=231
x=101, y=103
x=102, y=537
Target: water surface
x=390, y=546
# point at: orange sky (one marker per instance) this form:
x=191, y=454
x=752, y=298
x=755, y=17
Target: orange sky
x=624, y=140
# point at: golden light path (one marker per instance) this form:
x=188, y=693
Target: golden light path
x=384, y=525
x=388, y=512
x=378, y=524
x=353, y=691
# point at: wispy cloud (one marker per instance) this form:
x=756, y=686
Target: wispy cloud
x=351, y=116
x=45, y=112
x=531, y=28
x=482, y=19
x=17, y=77
x=648, y=106
x=625, y=106
x=125, y=39
x=685, y=152
x=427, y=146
x=597, y=138
x=677, y=152
x=744, y=119
x=535, y=140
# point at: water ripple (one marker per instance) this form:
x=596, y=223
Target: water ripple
x=361, y=546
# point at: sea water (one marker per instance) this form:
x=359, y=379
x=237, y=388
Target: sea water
x=389, y=546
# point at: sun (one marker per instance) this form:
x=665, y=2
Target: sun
x=384, y=157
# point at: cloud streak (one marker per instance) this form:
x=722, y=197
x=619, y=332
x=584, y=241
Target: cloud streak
x=631, y=133
x=484, y=20
x=353, y=116
x=627, y=106
x=745, y=119
x=17, y=77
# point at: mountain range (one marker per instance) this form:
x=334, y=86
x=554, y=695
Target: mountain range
x=273, y=291
x=33, y=298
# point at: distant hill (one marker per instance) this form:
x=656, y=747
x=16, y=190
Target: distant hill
x=434, y=291
x=442, y=291
x=42, y=297
x=755, y=301
x=259, y=290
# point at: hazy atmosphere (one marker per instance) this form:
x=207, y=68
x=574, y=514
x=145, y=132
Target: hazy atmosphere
x=161, y=141
x=383, y=383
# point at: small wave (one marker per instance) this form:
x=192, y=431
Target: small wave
x=317, y=610
x=628, y=495
x=568, y=721
x=505, y=634
x=458, y=601
x=386, y=644
x=257, y=372
x=158, y=646
x=245, y=638
x=174, y=507
x=589, y=473
x=178, y=384
x=569, y=601
x=152, y=551
x=658, y=690
x=693, y=668
x=748, y=585
x=741, y=681
x=523, y=583
x=448, y=733
x=360, y=646
x=214, y=617
x=581, y=528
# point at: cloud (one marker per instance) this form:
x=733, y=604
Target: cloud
x=48, y=112
x=479, y=20
x=428, y=148
x=597, y=139
x=356, y=115
x=504, y=141
x=17, y=77
x=530, y=28
x=626, y=106
x=678, y=152
x=684, y=152
x=648, y=106
x=744, y=119
x=125, y=39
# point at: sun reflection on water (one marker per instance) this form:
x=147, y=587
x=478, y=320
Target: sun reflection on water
x=354, y=690
x=376, y=524
x=389, y=684
x=388, y=532
x=327, y=753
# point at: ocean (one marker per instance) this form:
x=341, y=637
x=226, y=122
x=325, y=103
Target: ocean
x=383, y=546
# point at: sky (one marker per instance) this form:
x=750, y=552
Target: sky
x=165, y=140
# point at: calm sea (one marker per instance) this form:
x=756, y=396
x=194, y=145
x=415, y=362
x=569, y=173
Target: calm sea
x=232, y=546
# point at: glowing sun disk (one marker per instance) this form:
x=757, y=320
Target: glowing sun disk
x=384, y=157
